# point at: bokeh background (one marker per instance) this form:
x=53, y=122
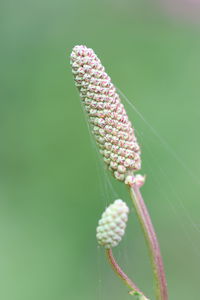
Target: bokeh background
x=53, y=186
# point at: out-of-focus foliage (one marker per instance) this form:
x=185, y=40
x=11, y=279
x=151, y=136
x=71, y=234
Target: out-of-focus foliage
x=53, y=187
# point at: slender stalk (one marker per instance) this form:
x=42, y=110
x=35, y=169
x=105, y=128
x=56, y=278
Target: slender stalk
x=152, y=242
x=135, y=290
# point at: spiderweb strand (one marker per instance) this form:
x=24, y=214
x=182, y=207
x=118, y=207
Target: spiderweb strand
x=160, y=138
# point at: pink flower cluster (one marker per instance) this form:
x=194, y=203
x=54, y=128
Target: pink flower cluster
x=109, y=122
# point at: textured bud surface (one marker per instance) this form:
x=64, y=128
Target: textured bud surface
x=111, y=127
x=139, y=180
x=112, y=224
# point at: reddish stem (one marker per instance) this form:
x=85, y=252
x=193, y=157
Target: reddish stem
x=152, y=242
x=123, y=276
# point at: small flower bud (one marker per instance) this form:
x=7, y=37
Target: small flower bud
x=112, y=224
x=139, y=180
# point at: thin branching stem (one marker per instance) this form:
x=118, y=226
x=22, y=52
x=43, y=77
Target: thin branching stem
x=134, y=289
x=152, y=242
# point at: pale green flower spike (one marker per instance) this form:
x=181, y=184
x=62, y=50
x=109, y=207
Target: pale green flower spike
x=109, y=122
x=112, y=224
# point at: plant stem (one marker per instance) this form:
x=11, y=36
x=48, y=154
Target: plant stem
x=123, y=276
x=152, y=242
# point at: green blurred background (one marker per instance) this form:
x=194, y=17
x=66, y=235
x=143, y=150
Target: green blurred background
x=53, y=186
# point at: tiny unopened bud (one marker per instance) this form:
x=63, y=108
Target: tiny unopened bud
x=138, y=179
x=138, y=295
x=106, y=114
x=112, y=224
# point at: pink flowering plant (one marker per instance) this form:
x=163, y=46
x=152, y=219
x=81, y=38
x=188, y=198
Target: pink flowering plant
x=118, y=145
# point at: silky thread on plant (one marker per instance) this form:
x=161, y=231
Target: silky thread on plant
x=110, y=125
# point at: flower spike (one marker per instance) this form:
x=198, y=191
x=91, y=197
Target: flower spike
x=109, y=121
x=112, y=224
